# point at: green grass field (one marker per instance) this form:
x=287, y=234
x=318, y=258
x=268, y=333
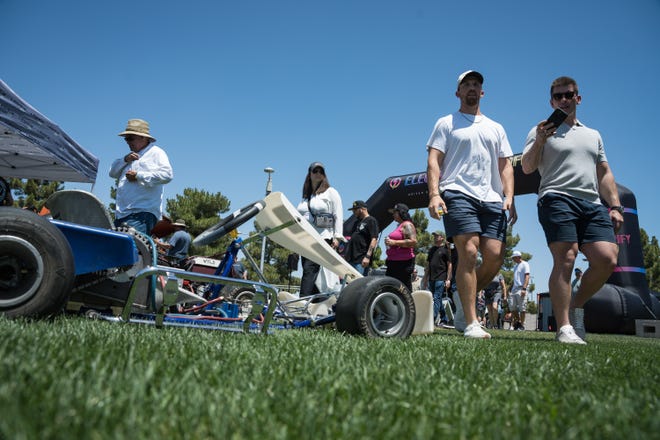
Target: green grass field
x=74, y=378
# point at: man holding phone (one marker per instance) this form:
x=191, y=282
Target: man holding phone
x=575, y=176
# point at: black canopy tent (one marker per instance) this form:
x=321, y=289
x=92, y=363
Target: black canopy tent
x=33, y=147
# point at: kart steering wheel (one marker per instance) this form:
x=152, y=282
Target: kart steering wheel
x=229, y=223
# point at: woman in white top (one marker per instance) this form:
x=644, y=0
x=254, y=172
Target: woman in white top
x=321, y=206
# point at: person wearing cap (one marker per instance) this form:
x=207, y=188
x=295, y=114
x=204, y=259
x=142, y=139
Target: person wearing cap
x=575, y=284
x=364, y=238
x=177, y=246
x=518, y=294
x=321, y=206
x=470, y=180
x=438, y=275
x=575, y=177
x=493, y=293
x=400, y=245
x=141, y=176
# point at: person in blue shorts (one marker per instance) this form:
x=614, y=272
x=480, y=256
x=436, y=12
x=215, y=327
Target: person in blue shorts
x=575, y=176
x=470, y=178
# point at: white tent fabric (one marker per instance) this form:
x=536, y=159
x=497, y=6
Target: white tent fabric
x=32, y=147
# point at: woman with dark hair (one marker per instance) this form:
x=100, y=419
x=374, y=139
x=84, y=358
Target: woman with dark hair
x=321, y=206
x=400, y=245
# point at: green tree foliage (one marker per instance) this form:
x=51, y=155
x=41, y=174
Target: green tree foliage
x=377, y=259
x=276, y=260
x=424, y=238
x=651, y=252
x=31, y=193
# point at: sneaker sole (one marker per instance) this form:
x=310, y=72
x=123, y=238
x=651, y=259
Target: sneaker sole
x=486, y=336
x=571, y=342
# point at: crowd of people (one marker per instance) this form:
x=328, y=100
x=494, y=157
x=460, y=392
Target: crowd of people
x=471, y=189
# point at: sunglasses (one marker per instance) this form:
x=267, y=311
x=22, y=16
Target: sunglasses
x=317, y=171
x=567, y=95
x=130, y=138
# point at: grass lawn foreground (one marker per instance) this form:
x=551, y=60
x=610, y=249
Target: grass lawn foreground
x=74, y=378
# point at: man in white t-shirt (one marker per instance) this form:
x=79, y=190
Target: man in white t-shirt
x=470, y=179
x=518, y=296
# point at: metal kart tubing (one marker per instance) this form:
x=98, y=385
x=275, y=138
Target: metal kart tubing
x=171, y=290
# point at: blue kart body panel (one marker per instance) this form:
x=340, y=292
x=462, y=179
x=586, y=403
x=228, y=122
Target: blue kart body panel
x=97, y=249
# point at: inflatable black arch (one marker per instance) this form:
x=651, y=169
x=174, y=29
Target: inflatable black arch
x=613, y=309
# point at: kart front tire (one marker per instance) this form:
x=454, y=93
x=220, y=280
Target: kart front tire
x=376, y=306
x=36, y=265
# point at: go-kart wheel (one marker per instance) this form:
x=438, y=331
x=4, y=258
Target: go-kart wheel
x=377, y=307
x=243, y=296
x=36, y=265
x=229, y=223
x=232, y=291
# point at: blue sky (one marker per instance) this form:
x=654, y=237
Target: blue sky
x=232, y=87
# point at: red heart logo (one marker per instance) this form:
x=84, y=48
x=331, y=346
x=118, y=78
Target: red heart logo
x=395, y=182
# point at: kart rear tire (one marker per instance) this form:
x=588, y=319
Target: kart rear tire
x=36, y=265
x=243, y=296
x=376, y=307
x=231, y=292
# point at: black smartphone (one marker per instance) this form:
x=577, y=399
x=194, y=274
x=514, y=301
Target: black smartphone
x=556, y=118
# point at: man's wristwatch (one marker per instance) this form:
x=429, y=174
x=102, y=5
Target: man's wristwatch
x=617, y=208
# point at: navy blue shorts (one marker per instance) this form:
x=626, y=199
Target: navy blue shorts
x=466, y=215
x=568, y=219
x=142, y=222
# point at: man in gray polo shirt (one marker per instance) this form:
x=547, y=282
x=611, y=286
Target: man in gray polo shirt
x=575, y=176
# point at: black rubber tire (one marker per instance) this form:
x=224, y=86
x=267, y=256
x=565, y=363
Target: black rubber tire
x=229, y=223
x=231, y=292
x=376, y=307
x=36, y=265
x=243, y=297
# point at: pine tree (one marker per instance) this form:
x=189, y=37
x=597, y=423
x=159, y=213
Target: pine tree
x=651, y=252
x=32, y=193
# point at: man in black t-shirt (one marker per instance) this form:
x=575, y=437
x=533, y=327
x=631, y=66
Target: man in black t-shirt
x=439, y=274
x=364, y=238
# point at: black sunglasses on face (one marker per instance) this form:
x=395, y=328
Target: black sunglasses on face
x=130, y=138
x=317, y=171
x=567, y=95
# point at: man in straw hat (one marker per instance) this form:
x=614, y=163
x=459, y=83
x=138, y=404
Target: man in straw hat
x=140, y=176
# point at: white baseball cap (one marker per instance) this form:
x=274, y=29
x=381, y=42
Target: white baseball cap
x=516, y=254
x=468, y=73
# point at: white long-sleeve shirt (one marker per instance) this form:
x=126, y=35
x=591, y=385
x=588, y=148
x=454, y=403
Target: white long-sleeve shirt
x=146, y=194
x=328, y=202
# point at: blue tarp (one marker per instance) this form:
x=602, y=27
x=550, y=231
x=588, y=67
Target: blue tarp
x=32, y=147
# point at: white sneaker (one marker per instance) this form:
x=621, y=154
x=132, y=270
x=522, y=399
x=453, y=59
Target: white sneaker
x=566, y=335
x=474, y=331
x=576, y=317
x=459, y=317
